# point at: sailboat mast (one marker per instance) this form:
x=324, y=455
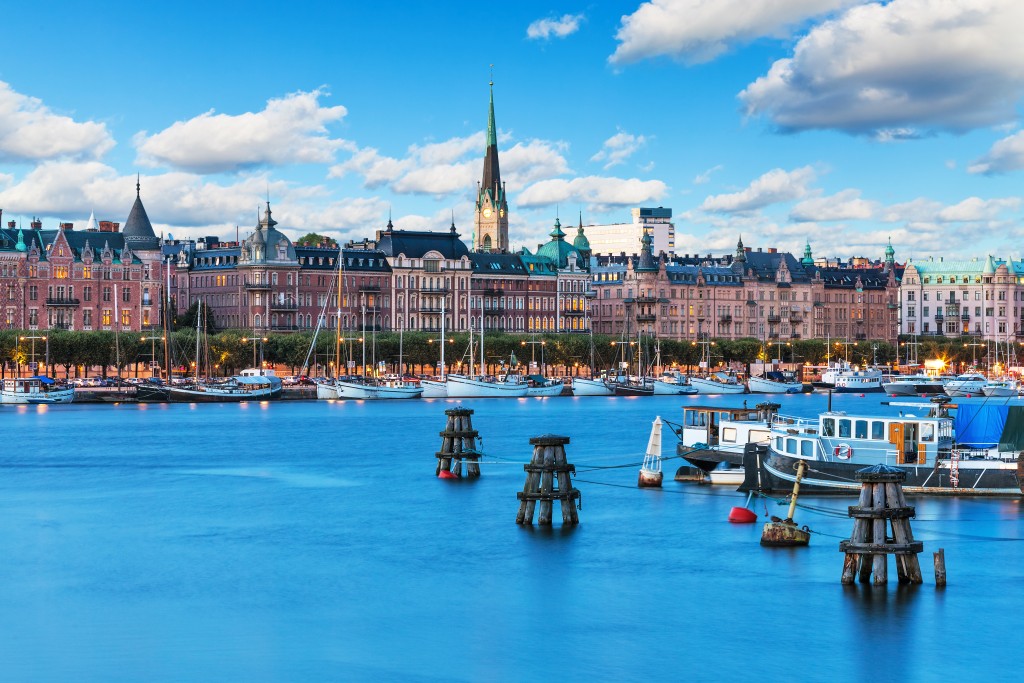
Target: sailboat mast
x=442, y=339
x=167, y=321
x=483, y=361
x=401, y=329
x=117, y=337
x=199, y=317
x=362, y=337
x=337, y=332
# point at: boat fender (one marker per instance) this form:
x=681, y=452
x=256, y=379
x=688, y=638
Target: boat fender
x=843, y=451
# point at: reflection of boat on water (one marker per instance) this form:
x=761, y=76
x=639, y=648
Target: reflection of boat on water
x=979, y=452
x=713, y=438
x=34, y=390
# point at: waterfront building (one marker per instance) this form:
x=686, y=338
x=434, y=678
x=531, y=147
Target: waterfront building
x=99, y=278
x=956, y=297
x=623, y=238
x=767, y=295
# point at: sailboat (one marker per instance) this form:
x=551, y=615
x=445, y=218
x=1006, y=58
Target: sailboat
x=650, y=471
x=594, y=386
x=715, y=383
x=252, y=384
x=437, y=388
x=482, y=386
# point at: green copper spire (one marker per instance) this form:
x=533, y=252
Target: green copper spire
x=491, y=181
x=556, y=232
x=20, y=246
x=492, y=130
x=890, y=253
x=808, y=259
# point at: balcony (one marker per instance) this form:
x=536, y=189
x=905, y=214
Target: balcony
x=646, y=299
x=725, y=318
x=939, y=317
x=60, y=326
x=590, y=294
x=773, y=318
x=369, y=288
x=284, y=328
x=646, y=318
x=571, y=312
x=965, y=316
x=795, y=335
x=860, y=335
x=62, y=301
x=283, y=306
x=429, y=308
x=893, y=306
x=256, y=285
x=796, y=318
x=491, y=291
x=494, y=309
x=773, y=335
x=434, y=290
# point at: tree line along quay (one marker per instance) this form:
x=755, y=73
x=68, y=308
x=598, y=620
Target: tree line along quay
x=65, y=354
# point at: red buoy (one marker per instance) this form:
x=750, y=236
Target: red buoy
x=740, y=515
x=447, y=474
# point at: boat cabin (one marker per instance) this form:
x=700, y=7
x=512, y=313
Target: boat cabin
x=726, y=428
x=836, y=436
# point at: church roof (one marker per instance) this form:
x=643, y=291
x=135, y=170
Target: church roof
x=416, y=243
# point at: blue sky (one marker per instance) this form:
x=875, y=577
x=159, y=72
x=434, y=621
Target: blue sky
x=835, y=121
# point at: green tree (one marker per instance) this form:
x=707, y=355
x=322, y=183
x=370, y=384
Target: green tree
x=187, y=319
x=313, y=239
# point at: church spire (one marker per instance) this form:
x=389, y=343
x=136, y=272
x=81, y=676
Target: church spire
x=491, y=220
x=741, y=252
x=492, y=173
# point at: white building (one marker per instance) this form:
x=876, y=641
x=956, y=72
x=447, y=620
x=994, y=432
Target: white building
x=616, y=238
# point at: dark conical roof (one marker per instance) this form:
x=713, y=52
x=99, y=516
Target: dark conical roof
x=492, y=173
x=138, y=231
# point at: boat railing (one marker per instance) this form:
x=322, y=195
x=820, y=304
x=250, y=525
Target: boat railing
x=795, y=425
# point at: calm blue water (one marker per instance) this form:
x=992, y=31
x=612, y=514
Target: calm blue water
x=311, y=541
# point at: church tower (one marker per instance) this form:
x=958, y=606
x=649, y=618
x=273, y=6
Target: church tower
x=491, y=220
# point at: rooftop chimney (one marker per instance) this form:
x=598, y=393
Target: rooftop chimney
x=67, y=226
x=36, y=224
x=772, y=250
x=107, y=226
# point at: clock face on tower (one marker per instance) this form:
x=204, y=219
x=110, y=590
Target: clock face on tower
x=487, y=213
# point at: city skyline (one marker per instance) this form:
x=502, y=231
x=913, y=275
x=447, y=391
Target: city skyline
x=842, y=123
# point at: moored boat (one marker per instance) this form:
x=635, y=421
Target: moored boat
x=591, y=387
x=249, y=385
x=461, y=386
x=856, y=381
x=35, y=390
x=976, y=454
x=713, y=437
x=718, y=383
x=968, y=384
x=912, y=385
x=775, y=382
x=1001, y=388
x=540, y=387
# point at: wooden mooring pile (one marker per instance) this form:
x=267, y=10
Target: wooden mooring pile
x=458, y=443
x=547, y=480
x=881, y=505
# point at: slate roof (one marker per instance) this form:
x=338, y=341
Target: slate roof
x=416, y=243
x=490, y=263
x=76, y=241
x=138, y=231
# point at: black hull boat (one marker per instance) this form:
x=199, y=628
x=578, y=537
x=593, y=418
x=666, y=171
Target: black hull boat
x=774, y=473
x=634, y=390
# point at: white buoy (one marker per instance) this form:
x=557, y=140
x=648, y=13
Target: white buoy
x=650, y=471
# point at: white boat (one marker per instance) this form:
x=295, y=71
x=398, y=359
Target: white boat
x=969, y=384
x=650, y=471
x=461, y=386
x=670, y=388
x=242, y=387
x=1001, y=388
x=37, y=390
x=713, y=438
x=912, y=385
x=433, y=388
x=718, y=383
x=540, y=387
x=775, y=382
x=375, y=390
x=326, y=391
x=591, y=387
x=855, y=381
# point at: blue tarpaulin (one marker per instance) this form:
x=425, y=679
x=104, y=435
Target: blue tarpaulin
x=979, y=425
x=44, y=380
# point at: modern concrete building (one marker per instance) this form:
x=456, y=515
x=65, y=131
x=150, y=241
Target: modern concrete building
x=624, y=238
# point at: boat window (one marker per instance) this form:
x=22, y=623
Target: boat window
x=927, y=431
x=729, y=434
x=860, y=429
x=778, y=443
x=791, y=446
x=758, y=436
x=844, y=429
x=807, y=448
x=695, y=418
x=724, y=416
x=877, y=430
x=828, y=427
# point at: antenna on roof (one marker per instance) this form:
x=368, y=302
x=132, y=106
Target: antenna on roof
x=491, y=83
x=138, y=184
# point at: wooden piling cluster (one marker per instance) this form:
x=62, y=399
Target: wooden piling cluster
x=547, y=480
x=458, y=443
x=867, y=551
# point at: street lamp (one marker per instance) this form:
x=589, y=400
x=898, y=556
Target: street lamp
x=32, y=363
x=152, y=351
x=254, y=340
x=450, y=340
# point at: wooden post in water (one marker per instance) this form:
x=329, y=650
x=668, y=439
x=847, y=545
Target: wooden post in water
x=940, y=568
x=881, y=501
x=458, y=443
x=548, y=478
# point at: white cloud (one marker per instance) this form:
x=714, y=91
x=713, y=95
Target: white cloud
x=844, y=205
x=30, y=131
x=618, y=148
x=696, y=31
x=552, y=27
x=773, y=187
x=289, y=130
x=977, y=209
x=451, y=167
x=896, y=68
x=1006, y=155
x=599, y=192
x=703, y=178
